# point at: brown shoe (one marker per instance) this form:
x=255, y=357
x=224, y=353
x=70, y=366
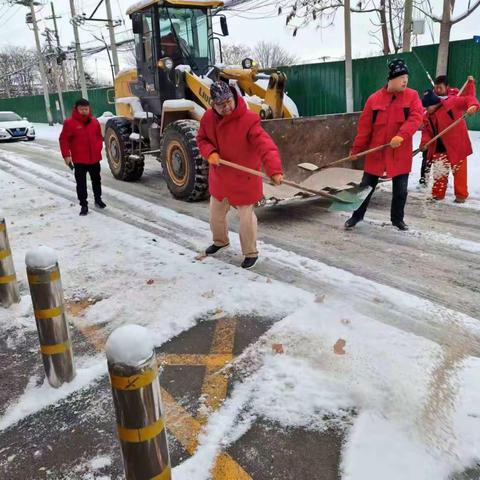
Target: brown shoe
x=460, y=200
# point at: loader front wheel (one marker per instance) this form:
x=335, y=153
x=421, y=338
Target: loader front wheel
x=119, y=148
x=185, y=171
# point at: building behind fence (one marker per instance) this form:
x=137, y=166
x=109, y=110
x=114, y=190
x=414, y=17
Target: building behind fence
x=317, y=89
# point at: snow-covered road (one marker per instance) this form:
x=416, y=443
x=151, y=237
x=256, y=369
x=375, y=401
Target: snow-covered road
x=404, y=395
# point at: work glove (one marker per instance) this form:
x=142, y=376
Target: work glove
x=396, y=141
x=214, y=159
x=423, y=148
x=277, y=179
x=471, y=111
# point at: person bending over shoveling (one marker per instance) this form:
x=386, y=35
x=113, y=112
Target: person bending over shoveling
x=231, y=132
x=453, y=147
x=391, y=116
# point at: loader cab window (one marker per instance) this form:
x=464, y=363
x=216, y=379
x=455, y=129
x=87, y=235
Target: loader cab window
x=144, y=39
x=184, y=37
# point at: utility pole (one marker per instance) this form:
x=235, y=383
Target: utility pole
x=111, y=31
x=407, y=26
x=79, y=59
x=348, y=58
x=54, y=67
x=41, y=64
x=57, y=37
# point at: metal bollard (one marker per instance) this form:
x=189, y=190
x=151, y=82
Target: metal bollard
x=8, y=280
x=48, y=306
x=133, y=370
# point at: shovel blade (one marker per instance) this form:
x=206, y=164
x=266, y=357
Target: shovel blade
x=310, y=167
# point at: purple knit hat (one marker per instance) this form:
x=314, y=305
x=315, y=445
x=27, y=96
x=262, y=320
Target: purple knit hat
x=220, y=91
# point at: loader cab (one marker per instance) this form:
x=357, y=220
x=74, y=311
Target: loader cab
x=167, y=36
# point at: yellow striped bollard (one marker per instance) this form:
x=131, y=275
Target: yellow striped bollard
x=133, y=370
x=8, y=280
x=49, y=310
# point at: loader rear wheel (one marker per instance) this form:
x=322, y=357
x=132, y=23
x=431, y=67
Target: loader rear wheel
x=185, y=171
x=119, y=149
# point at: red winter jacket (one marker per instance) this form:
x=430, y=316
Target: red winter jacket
x=385, y=116
x=81, y=139
x=456, y=141
x=238, y=138
x=468, y=91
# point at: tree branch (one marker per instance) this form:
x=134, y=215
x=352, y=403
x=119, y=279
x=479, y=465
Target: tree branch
x=466, y=14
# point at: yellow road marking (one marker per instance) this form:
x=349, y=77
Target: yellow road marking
x=215, y=383
x=216, y=361
x=134, y=382
x=137, y=435
x=180, y=423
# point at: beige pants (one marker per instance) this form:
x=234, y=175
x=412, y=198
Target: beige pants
x=248, y=226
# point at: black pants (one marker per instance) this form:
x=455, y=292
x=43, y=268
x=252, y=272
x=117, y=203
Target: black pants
x=425, y=170
x=399, y=198
x=81, y=179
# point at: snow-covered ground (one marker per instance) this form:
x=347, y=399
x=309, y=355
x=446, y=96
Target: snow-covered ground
x=417, y=401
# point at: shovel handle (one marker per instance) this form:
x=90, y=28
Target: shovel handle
x=443, y=132
x=357, y=156
x=285, y=182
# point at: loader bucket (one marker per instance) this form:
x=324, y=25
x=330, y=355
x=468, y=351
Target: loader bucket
x=319, y=140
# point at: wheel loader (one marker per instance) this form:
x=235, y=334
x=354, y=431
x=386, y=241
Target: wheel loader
x=160, y=103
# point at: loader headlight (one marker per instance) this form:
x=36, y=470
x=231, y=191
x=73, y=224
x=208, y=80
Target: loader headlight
x=247, y=63
x=165, y=63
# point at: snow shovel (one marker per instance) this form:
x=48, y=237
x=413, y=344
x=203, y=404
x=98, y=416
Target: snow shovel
x=314, y=168
x=346, y=201
x=443, y=132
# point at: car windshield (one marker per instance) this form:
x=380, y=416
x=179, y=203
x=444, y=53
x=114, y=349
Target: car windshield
x=9, y=117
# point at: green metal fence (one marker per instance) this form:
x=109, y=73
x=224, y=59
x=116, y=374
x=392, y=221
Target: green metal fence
x=317, y=89
x=34, y=107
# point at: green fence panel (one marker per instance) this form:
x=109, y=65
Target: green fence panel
x=33, y=107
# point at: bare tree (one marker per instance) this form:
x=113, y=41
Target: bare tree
x=447, y=21
x=271, y=55
x=234, y=53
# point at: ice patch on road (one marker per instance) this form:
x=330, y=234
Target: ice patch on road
x=38, y=396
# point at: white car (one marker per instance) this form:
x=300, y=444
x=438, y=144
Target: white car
x=13, y=127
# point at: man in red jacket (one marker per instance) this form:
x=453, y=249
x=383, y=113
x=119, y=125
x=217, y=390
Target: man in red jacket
x=451, y=149
x=81, y=143
x=231, y=132
x=443, y=89
x=391, y=116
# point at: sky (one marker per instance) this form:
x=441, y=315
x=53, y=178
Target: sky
x=247, y=25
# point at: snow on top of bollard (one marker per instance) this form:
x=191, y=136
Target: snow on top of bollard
x=130, y=345
x=41, y=257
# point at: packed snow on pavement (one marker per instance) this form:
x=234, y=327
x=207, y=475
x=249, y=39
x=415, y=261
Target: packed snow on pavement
x=51, y=134
x=409, y=405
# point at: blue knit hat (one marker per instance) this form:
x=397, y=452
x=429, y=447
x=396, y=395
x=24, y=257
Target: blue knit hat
x=220, y=91
x=397, y=67
x=430, y=98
